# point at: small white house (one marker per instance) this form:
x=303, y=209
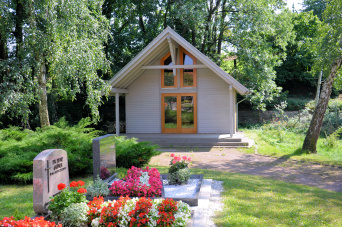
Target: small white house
x=171, y=87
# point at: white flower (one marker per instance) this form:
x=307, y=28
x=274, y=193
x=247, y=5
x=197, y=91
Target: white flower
x=95, y=222
x=144, y=178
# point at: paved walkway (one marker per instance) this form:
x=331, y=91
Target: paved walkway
x=231, y=160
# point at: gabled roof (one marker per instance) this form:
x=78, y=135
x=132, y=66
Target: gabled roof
x=133, y=69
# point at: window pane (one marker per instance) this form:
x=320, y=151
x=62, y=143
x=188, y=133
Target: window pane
x=188, y=77
x=169, y=79
x=170, y=108
x=187, y=111
x=187, y=60
x=188, y=74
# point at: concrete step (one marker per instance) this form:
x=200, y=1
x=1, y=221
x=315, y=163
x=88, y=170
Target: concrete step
x=203, y=144
x=194, y=140
x=186, y=140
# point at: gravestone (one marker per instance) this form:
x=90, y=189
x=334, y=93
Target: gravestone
x=104, y=157
x=50, y=168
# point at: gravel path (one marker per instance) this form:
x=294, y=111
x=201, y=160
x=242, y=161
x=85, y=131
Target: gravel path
x=231, y=160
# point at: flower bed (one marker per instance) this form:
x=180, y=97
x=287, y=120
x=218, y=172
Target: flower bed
x=38, y=221
x=123, y=212
x=70, y=207
x=139, y=183
x=142, y=211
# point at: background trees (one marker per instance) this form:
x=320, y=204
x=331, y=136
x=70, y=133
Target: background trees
x=51, y=46
x=65, y=47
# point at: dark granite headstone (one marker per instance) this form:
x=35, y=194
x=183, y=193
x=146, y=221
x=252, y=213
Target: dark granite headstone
x=104, y=156
x=50, y=168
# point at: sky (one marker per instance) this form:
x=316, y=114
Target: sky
x=297, y=4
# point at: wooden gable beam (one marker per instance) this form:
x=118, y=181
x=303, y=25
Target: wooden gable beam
x=174, y=66
x=173, y=53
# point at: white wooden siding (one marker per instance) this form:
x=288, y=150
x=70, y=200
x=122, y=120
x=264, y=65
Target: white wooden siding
x=212, y=103
x=143, y=104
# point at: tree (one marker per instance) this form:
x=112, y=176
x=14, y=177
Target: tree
x=330, y=61
x=295, y=75
x=254, y=29
x=59, y=48
x=260, y=36
x=316, y=6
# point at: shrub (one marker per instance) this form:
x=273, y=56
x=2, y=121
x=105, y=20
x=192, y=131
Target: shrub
x=75, y=215
x=18, y=148
x=296, y=103
x=98, y=188
x=130, y=153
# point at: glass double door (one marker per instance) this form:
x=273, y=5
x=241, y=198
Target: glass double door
x=179, y=113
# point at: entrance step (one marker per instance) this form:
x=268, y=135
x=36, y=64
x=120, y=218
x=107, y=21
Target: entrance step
x=194, y=140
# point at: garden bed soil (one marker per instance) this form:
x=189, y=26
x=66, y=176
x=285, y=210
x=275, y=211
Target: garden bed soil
x=232, y=160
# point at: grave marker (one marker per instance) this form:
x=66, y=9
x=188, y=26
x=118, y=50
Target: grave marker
x=50, y=168
x=104, y=155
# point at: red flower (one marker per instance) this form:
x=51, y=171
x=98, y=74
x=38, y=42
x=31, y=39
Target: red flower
x=172, y=155
x=73, y=184
x=61, y=186
x=80, y=183
x=189, y=159
x=82, y=190
x=185, y=158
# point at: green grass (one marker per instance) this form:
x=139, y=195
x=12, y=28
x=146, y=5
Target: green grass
x=248, y=201
x=17, y=200
x=257, y=201
x=288, y=144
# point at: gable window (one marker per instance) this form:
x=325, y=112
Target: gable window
x=168, y=79
x=188, y=77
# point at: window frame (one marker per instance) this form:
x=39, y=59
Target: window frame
x=182, y=50
x=162, y=73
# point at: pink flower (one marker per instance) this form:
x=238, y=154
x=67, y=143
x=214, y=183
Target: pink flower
x=174, y=162
x=172, y=155
x=189, y=159
x=185, y=158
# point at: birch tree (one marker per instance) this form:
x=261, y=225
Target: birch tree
x=59, y=47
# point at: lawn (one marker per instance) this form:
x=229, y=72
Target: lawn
x=285, y=143
x=248, y=201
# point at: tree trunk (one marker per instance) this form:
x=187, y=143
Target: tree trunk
x=211, y=10
x=3, y=47
x=167, y=8
x=43, y=104
x=312, y=134
x=222, y=27
x=193, y=36
x=18, y=33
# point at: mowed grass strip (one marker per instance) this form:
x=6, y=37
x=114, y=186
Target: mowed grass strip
x=257, y=201
x=16, y=201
